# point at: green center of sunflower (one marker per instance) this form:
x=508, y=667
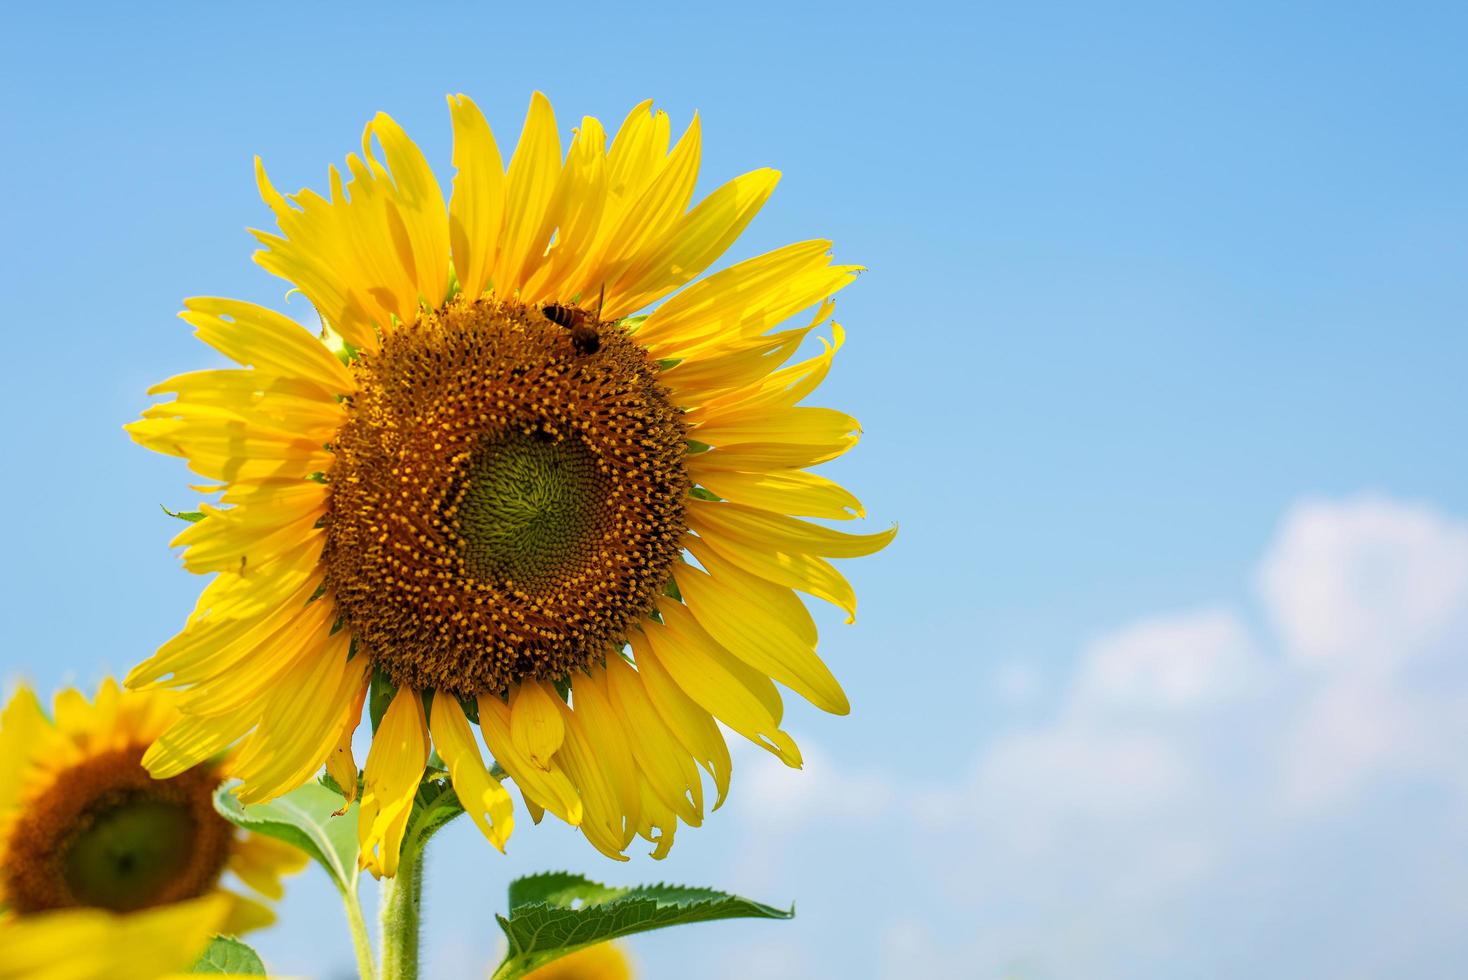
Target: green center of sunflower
x=506, y=497
x=107, y=835
x=129, y=854
x=528, y=508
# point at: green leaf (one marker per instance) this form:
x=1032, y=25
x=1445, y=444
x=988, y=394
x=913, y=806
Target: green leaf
x=192, y=516
x=228, y=955
x=304, y=818
x=379, y=696
x=557, y=913
x=434, y=805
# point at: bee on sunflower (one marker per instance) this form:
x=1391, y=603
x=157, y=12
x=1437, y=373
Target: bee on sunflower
x=535, y=476
x=105, y=871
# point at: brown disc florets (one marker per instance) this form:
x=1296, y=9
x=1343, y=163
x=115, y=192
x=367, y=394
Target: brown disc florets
x=107, y=835
x=505, y=501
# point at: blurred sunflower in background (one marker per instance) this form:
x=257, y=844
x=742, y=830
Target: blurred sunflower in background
x=488, y=478
x=105, y=871
x=604, y=961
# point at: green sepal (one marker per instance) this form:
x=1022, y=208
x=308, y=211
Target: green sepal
x=557, y=913
x=326, y=779
x=379, y=696
x=225, y=954
x=311, y=819
x=192, y=516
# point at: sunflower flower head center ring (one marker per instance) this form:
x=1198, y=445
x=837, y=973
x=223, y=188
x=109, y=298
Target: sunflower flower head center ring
x=503, y=503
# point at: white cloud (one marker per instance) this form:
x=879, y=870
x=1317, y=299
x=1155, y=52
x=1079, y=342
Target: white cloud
x=1370, y=594
x=1170, y=663
x=1193, y=759
x=1049, y=776
x=1369, y=580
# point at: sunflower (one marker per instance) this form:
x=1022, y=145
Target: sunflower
x=495, y=482
x=604, y=961
x=93, y=847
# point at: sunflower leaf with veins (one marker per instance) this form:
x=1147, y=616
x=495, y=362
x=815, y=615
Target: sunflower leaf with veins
x=557, y=913
x=303, y=818
x=228, y=955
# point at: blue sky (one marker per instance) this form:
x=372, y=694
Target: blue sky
x=1159, y=361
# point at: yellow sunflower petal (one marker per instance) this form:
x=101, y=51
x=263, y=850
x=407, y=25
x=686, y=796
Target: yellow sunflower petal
x=658, y=824
x=220, y=445
x=530, y=187
x=637, y=152
x=781, y=389
x=482, y=796
x=478, y=203
x=579, y=202
x=535, y=722
x=318, y=253
x=793, y=492
x=668, y=767
x=278, y=402
x=260, y=338
x=245, y=915
x=787, y=533
x=740, y=697
x=84, y=944
x=649, y=218
x=783, y=550
x=255, y=673
x=637, y=155
x=211, y=644
x=604, y=820
x=807, y=573
x=340, y=763
x=735, y=607
x=542, y=788
x=692, y=724
x=72, y=714
x=736, y=364
x=394, y=767
x=301, y=722
x=230, y=540
x=416, y=210
x=698, y=239
x=194, y=739
x=745, y=300
x=21, y=726
x=609, y=738
x=261, y=862
x=816, y=434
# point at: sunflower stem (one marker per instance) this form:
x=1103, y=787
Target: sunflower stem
x=401, y=910
x=361, y=941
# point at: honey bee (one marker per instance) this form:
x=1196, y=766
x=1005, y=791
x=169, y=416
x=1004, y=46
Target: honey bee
x=582, y=324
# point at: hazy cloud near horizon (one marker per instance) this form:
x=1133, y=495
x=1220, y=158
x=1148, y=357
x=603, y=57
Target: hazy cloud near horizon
x=1203, y=779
